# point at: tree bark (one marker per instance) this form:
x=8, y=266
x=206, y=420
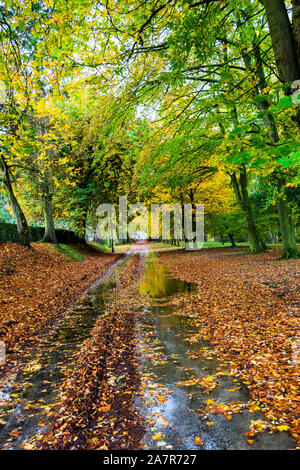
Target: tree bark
x=50, y=235
x=296, y=26
x=192, y=244
x=19, y=215
x=269, y=121
x=230, y=235
x=296, y=31
x=289, y=244
x=257, y=245
x=283, y=40
x=44, y=180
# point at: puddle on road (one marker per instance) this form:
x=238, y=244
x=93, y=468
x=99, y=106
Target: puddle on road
x=34, y=391
x=158, y=283
x=172, y=412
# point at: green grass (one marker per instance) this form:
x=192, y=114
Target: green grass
x=69, y=252
x=160, y=246
x=219, y=244
x=153, y=246
x=168, y=246
x=100, y=247
x=106, y=248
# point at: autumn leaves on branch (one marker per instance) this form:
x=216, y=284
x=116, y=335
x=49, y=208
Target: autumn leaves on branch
x=163, y=100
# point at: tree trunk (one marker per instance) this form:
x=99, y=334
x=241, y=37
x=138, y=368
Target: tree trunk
x=50, y=235
x=272, y=238
x=257, y=245
x=283, y=40
x=296, y=31
x=230, y=235
x=287, y=230
x=296, y=26
x=192, y=244
x=186, y=242
x=20, y=218
x=270, y=124
x=285, y=45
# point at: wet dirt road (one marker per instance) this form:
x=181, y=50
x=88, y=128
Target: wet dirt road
x=177, y=379
x=177, y=383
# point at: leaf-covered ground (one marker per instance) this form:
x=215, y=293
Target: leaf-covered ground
x=36, y=287
x=247, y=307
x=97, y=409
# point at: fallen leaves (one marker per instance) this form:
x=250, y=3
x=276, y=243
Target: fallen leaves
x=103, y=409
x=241, y=319
x=158, y=435
x=247, y=309
x=207, y=383
x=97, y=410
x=40, y=286
x=198, y=441
x=282, y=428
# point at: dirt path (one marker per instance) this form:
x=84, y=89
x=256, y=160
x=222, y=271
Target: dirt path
x=146, y=377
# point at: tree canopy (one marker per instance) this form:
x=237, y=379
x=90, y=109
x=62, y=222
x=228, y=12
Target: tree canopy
x=159, y=100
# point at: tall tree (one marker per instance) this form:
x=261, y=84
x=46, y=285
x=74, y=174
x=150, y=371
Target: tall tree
x=20, y=218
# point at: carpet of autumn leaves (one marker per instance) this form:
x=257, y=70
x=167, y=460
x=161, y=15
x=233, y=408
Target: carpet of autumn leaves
x=36, y=287
x=97, y=407
x=247, y=307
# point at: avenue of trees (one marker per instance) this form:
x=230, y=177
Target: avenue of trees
x=180, y=101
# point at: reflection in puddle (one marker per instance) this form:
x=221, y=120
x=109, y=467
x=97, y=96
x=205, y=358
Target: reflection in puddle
x=177, y=381
x=158, y=283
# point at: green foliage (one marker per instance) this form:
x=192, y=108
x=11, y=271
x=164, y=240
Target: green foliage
x=221, y=225
x=71, y=253
x=161, y=101
x=5, y=216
